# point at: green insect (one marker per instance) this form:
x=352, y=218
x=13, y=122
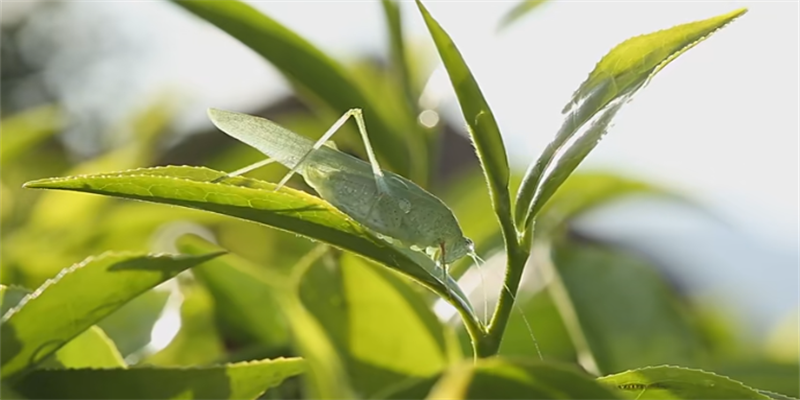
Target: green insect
x=384, y=202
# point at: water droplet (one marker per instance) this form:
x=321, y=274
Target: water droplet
x=405, y=205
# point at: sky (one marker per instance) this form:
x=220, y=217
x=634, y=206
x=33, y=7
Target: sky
x=719, y=124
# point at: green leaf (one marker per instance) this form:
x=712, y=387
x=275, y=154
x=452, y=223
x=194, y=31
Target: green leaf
x=668, y=382
x=305, y=66
x=521, y=9
x=245, y=303
x=619, y=309
x=499, y=378
x=386, y=331
x=236, y=278
x=90, y=349
x=131, y=325
x=246, y=380
x=616, y=78
x=547, y=326
x=257, y=201
x=410, y=389
x=394, y=24
x=76, y=299
x=480, y=121
x=767, y=375
x=776, y=396
x=24, y=130
x=8, y=393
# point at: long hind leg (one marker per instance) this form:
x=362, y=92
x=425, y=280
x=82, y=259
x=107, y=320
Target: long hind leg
x=362, y=130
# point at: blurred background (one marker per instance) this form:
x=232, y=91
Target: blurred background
x=93, y=87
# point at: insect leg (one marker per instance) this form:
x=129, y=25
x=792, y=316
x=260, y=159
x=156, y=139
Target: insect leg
x=442, y=262
x=356, y=113
x=244, y=170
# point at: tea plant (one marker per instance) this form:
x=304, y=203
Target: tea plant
x=348, y=315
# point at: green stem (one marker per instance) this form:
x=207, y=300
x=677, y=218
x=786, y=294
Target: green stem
x=517, y=254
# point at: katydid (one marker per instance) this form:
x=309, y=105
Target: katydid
x=382, y=201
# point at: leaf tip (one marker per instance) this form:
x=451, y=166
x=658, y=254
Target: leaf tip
x=39, y=184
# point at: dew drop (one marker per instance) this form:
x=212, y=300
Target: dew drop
x=405, y=205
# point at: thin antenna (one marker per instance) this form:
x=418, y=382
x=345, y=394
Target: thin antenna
x=478, y=262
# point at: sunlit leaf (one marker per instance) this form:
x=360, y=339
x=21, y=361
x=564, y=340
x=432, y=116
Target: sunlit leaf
x=385, y=329
x=25, y=129
x=325, y=376
x=90, y=349
x=620, y=308
x=257, y=201
x=480, y=121
x=617, y=77
x=306, y=66
x=666, y=382
x=246, y=380
x=242, y=301
x=95, y=288
x=499, y=378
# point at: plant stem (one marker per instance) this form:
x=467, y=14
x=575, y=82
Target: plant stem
x=515, y=265
x=516, y=255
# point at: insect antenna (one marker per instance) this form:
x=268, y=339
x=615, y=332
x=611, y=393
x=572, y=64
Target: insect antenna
x=478, y=262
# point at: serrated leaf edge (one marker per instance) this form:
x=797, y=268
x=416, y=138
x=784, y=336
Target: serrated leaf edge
x=667, y=366
x=99, y=257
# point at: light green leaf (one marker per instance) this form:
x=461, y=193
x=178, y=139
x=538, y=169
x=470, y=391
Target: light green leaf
x=776, y=396
x=520, y=10
x=90, y=349
x=24, y=130
x=326, y=376
x=246, y=380
x=616, y=78
x=668, y=382
x=482, y=126
x=242, y=302
x=386, y=331
x=619, y=309
x=306, y=66
x=77, y=298
x=257, y=201
x=499, y=378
